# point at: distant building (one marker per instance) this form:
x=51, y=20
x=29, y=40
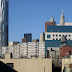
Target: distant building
x=13, y=43
x=23, y=40
x=28, y=37
x=54, y=33
x=35, y=40
x=42, y=37
x=33, y=49
x=4, y=8
x=41, y=49
x=28, y=50
x=4, y=50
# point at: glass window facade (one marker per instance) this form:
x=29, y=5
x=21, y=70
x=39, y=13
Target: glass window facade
x=48, y=36
x=59, y=28
x=4, y=23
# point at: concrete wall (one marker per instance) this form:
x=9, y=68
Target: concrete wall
x=30, y=65
x=66, y=62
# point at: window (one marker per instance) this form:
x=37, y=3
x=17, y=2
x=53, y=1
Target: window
x=60, y=39
x=69, y=35
x=1, y=4
x=48, y=36
x=69, y=53
x=53, y=39
x=56, y=39
x=53, y=35
x=60, y=35
x=56, y=35
x=69, y=39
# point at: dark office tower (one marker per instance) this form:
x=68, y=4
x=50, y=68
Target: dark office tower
x=28, y=37
x=3, y=23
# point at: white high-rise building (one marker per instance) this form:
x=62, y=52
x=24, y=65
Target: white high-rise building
x=27, y=50
x=41, y=49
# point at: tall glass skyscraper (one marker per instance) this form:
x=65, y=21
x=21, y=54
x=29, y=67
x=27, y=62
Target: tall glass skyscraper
x=3, y=23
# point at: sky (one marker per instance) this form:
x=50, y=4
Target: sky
x=29, y=16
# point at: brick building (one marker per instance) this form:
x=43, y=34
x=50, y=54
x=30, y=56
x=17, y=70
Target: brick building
x=65, y=51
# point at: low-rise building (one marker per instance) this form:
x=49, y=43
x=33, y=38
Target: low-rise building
x=29, y=65
x=67, y=64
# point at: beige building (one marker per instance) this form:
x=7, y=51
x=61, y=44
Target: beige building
x=13, y=42
x=67, y=64
x=29, y=65
x=42, y=37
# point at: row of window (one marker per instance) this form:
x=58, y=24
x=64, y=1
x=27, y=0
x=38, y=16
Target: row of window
x=62, y=35
x=49, y=36
x=59, y=39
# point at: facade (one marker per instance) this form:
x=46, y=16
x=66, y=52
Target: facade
x=28, y=50
x=41, y=49
x=28, y=37
x=42, y=37
x=3, y=23
x=13, y=43
x=33, y=49
x=29, y=65
x=4, y=50
x=23, y=40
x=65, y=52
x=54, y=33
x=53, y=53
x=67, y=64
x=35, y=40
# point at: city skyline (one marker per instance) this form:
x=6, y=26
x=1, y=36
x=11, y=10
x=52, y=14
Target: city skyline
x=30, y=16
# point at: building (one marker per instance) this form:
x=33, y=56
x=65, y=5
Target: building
x=53, y=53
x=42, y=37
x=65, y=52
x=4, y=23
x=29, y=65
x=32, y=49
x=28, y=50
x=41, y=49
x=23, y=40
x=67, y=64
x=35, y=40
x=54, y=33
x=28, y=37
x=13, y=43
